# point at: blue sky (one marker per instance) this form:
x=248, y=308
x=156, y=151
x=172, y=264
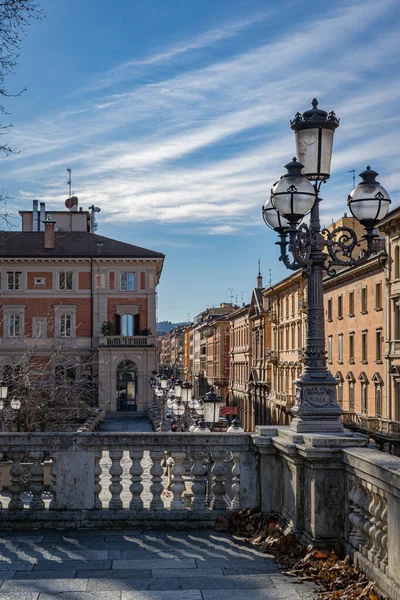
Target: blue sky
x=174, y=118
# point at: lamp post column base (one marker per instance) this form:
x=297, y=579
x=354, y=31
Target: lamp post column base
x=316, y=409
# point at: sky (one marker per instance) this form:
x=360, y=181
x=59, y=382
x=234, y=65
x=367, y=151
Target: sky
x=174, y=118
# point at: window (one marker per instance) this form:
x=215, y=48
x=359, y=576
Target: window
x=364, y=346
x=351, y=347
x=396, y=263
x=127, y=281
x=65, y=326
x=14, y=280
x=65, y=280
x=340, y=348
x=330, y=309
x=364, y=300
x=39, y=327
x=14, y=322
x=340, y=307
x=340, y=393
x=351, y=396
x=127, y=325
x=378, y=296
x=351, y=304
x=364, y=398
x=378, y=349
x=378, y=400
x=330, y=349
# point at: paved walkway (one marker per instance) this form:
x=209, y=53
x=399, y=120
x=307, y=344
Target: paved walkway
x=139, y=565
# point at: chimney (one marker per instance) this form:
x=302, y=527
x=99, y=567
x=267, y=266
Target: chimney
x=42, y=216
x=35, y=219
x=49, y=235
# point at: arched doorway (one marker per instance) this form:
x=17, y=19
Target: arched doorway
x=127, y=380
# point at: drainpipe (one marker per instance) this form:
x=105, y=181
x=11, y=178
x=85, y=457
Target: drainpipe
x=388, y=328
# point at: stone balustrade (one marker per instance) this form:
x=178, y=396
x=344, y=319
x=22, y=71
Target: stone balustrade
x=330, y=489
x=100, y=479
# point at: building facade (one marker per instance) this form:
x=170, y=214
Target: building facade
x=240, y=366
x=81, y=306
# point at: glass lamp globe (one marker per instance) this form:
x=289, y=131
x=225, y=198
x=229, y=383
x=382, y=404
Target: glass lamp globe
x=192, y=404
x=212, y=405
x=186, y=392
x=235, y=427
x=369, y=202
x=158, y=392
x=314, y=131
x=164, y=382
x=199, y=408
x=293, y=196
x=178, y=388
x=1, y=404
x=3, y=390
x=170, y=401
x=15, y=404
x=178, y=408
x=201, y=428
x=272, y=218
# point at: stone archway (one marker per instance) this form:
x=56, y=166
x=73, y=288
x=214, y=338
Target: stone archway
x=127, y=386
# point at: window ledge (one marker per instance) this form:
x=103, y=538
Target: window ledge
x=351, y=315
x=378, y=308
x=379, y=362
x=364, y=362
x=364, y=312
x=340, y=318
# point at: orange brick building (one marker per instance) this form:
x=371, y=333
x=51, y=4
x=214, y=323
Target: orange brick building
x=79, y=304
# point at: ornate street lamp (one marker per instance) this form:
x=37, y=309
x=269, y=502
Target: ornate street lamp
x=235, y=427
x=3, y=397
x=315, y=251
x=212, y=404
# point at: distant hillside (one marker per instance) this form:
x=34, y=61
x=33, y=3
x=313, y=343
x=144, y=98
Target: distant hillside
x=165, y=326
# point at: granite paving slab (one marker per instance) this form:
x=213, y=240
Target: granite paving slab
x=140, y=565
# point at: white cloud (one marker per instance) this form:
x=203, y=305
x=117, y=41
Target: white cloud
x=205, y=145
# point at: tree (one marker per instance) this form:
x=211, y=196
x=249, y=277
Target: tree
x=15, y=18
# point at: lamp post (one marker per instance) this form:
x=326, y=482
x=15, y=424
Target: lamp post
x=3, y=397
x=315, y=252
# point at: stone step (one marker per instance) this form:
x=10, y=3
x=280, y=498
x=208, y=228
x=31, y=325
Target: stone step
x=126, y=415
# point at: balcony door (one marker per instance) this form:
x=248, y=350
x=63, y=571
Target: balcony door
x=127, y=386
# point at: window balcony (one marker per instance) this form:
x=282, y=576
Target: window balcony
x=115, y=341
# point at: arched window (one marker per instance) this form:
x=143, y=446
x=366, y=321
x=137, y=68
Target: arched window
x=351, y=382
x=378, y=382
x=364, y=393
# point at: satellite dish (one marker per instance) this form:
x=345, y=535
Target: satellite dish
x=71, y=202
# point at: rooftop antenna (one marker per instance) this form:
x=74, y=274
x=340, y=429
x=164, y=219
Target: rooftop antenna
x=270, y=278
x=236, y=299
x=259, y=267
x=231, y=294
x=354, y=177
x=241, y=298
x=69, y=183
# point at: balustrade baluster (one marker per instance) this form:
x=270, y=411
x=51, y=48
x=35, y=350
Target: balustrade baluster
x=16, y=474
x=156, y=473
x=367, y=522
x=136, y=487
x=379, y=527
x=384, y=541
x=115, y=486
x=97, y=474
x=178, y=485
x=373, y=509
x=199, y=481
x=218, y=484
x=37, y=483
x=235, y=504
